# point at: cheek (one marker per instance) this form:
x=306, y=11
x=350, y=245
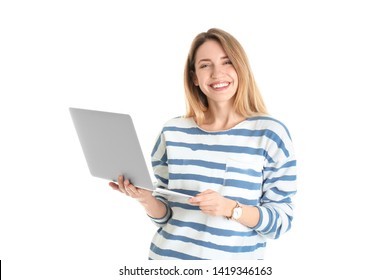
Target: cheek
x=204, y=89
x=235, y=79
x=233, y=74
x=202, y=82
x=200, y=77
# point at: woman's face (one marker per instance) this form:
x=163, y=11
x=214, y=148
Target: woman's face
x=214, y=73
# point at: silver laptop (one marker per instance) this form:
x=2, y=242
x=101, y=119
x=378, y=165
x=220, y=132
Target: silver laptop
x=110, y=145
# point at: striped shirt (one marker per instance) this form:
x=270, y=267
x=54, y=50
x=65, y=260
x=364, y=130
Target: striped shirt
x=252, y=163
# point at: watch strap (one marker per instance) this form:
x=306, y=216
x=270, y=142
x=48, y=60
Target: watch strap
x=238, y=205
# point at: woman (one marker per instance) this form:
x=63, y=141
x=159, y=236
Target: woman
x=237, y=162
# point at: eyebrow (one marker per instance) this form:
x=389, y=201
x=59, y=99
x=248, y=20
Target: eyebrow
x=208, y=59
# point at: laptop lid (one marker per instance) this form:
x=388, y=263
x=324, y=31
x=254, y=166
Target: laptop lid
x=111, y=147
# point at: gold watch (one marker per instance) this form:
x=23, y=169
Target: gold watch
x=237, y=211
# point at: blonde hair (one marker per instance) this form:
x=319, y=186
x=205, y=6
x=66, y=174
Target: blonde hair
x=248, y=100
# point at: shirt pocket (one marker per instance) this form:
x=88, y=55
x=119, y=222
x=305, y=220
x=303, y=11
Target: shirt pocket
x=243, y=180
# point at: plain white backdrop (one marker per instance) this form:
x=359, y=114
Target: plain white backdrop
x=322, y=67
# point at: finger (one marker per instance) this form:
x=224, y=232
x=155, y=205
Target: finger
x=195, y=200
x=120, y=184
x=126, y=188
x=132, y=190
x=135, y=190
x=206, y=192
x=205, y=200
x=201, y=200
x=205, y=195
x=113, y=185
x=210, y=210
x=124, y=184
x=130, y=186
x=128, y=191
x=207, y=210
x=120, y=180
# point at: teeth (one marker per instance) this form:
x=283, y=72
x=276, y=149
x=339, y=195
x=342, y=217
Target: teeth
x=220, y=85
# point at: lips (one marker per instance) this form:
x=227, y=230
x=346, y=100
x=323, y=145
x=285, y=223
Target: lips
x=219, y=85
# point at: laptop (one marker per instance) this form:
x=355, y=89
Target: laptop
x=111, y=148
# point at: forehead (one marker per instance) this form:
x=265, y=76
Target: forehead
x=210, y=49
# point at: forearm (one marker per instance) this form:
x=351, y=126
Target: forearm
x=250, y=214
x=154, y=208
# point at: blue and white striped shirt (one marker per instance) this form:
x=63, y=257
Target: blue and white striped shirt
x=252, y=163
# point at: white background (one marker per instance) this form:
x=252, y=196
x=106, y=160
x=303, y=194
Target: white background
x=323, y=68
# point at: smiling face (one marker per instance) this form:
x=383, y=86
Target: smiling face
x=215, y=74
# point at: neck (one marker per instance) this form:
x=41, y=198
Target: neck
x=221, y=118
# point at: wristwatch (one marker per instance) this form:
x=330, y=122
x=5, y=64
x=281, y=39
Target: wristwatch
x=237, y=211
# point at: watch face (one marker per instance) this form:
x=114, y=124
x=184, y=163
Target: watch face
x=237, y=213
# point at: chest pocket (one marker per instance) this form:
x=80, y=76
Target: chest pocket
x=243, y=180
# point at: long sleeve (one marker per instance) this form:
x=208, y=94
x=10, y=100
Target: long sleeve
x=160, y=169
x=279, y=185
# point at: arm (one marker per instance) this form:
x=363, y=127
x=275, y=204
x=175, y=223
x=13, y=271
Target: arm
x=276, y=207
x=160, y=169
x=279, y=187
x=154, y=207
x=212, y=203
x=274, y=212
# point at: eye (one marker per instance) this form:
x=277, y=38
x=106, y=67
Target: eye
x=203, y=66
x=227, y=62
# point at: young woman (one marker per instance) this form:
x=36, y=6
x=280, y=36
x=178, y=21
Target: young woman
x=236, y=161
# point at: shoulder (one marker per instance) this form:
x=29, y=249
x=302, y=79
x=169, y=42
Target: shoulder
x=171, y=128
x=269, y=123
x=180, y=122
x=278, y=141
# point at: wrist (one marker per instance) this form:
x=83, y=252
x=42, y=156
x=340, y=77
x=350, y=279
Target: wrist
x=155, y=208
x=231, y=208
x=146, y=198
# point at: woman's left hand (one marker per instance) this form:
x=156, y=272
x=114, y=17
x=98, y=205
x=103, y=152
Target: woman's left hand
x=212, y=203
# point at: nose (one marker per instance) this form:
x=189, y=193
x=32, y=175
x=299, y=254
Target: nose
x=217, y=71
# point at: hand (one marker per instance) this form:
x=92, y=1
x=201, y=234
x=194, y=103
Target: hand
x=124, y=186
x=154, y=207
x=212, y=203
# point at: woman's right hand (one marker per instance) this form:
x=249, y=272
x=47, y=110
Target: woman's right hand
x=154, y=207
x=124, y=186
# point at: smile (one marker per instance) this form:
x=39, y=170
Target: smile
x=220, y=85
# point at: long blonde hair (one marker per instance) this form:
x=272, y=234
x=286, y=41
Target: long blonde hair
x=248, y=100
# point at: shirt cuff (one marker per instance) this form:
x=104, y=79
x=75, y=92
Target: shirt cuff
x=168, y=214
